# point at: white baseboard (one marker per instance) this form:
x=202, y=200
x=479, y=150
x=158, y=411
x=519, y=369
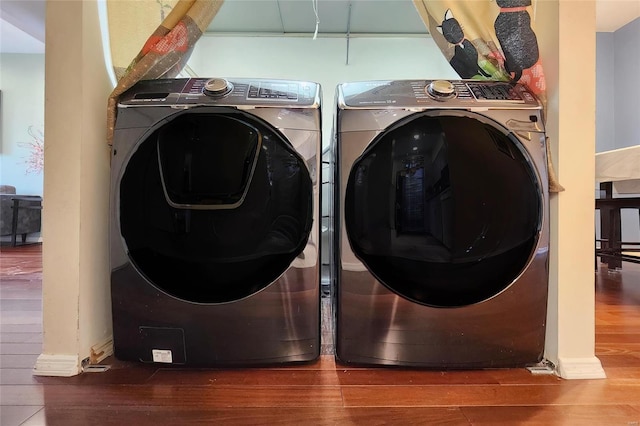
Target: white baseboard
x=580, y=368
x=70, y=365
x=57, y=365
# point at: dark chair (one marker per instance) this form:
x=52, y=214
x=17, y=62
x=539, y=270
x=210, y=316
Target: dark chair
x=19, y=214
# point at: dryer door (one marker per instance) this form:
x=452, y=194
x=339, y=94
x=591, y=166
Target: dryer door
x=214, y=205
x=444, y=208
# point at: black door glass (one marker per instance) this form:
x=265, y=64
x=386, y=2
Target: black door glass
x=219, y=255
x=444, y=210
x=186, y=168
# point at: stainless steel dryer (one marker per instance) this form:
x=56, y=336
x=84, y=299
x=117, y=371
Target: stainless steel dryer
x=443, y=233
x=214, y=222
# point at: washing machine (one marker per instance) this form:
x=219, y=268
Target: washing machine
x=214, y=222
x=442, y=224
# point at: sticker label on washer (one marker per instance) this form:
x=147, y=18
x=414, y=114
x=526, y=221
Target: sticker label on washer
x=162, y=355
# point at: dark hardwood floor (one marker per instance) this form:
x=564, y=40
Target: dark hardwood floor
x=321, y=393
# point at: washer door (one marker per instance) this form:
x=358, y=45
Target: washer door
x=444, y=208
x=214, y=206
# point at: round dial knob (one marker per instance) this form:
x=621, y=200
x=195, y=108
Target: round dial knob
x=217, y=87
x=441, y=89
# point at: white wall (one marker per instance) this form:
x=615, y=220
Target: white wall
x=627, y=89
x=617, y=68
x=605, y=92
x=322, y=60
x=22, y=103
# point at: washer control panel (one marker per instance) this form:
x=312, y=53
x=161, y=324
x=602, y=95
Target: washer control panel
x=271, y=90
x=222, y=91
x=495, y=92
x=436, y=94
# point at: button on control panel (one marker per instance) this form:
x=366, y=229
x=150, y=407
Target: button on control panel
x=277, y=91
x=441, y=90
x=495, y=92
x=217, y=87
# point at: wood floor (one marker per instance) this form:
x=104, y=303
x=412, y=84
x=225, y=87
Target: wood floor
x=321, y=393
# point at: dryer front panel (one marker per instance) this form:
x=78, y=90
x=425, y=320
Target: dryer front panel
x=444, y=208
x=214, y=205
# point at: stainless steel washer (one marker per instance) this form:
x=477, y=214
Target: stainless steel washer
x=214, y=222
x=442, y=224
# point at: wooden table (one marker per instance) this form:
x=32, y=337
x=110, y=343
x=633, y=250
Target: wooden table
x=611, y=249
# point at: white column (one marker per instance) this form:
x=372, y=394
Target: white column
x=76, y=298
x=567, y=37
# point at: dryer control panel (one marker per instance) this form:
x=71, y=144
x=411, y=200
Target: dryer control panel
x=222, y=92
x=436, y=94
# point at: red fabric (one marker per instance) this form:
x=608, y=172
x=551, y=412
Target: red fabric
x=175, y=40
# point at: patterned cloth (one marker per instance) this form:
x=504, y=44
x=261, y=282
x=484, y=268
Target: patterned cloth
x=165, y=52
x=490, y=40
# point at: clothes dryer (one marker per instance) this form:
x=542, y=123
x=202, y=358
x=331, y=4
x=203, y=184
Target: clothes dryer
x=442, y=210
x=214, y=222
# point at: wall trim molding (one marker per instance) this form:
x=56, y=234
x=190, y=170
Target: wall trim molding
x=101, y=350
x=580, y=368
x=57, y=365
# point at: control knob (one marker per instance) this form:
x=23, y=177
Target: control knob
x=441, y=90
x=217, y=87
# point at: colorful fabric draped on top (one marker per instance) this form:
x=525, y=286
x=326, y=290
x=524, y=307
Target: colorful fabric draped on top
x=490, y=40
x=164, y=53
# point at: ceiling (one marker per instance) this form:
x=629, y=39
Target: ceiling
x=334, y=17
x=613, y=14
x=22, y=26
x=22, y=21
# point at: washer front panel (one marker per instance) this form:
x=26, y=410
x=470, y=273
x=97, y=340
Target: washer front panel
x=214, y=206
x=444, y=209
x=192, y=313
x=383, y=321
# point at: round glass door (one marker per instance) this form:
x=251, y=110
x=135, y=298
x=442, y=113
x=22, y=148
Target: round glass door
x=214, y=207
x=444, y=208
